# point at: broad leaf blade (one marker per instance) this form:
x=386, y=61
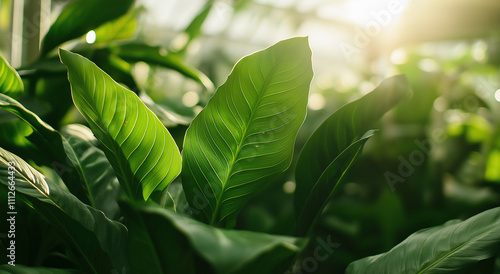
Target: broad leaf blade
x=245, y=135
x=103, y=186
x=96, y=240
x=335, y=135
x=157, y=231
x=10, y=82
x=140, y=149
x=54, y=145
x=81, y=16
x=326, y=184
x=448, y=248
x=154, y=55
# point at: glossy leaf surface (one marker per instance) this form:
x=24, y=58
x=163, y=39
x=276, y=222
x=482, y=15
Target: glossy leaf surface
x=156, y=232
x=449, y=248
x=245, y=135
x=138, y=146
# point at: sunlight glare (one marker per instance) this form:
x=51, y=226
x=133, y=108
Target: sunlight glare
x=289, y=187
x=91, y=37
x=190, y=99
x=316, y=101
x=399, y=57
x=497, y=95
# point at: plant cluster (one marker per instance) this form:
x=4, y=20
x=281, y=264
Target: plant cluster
x=114, y=193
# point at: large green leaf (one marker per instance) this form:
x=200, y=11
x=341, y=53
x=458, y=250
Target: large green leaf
x=334, y=146
x=81, y=16
x=245, y=135
x=96, y=241
x=154, y=55
x=155, y=232
x=103, y=186
x=140, y=149
x=54, y=145
x=10, y=82
x=448, y=248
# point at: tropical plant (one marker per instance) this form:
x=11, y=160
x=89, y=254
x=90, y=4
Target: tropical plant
x=111, y=191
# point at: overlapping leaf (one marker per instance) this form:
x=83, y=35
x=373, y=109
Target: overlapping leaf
x=122, y=28
x=98, y=242
x=10, y=82
x=155, y=232
x=103, y=186
x=54, y=145
x=329, y=152
x=246, y=133
x=140, y=149
x=81, y=16
x=448, y=248
x=154, y=55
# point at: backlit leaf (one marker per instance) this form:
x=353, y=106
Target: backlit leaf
x=245, y=135
x=80, y=17
x=138, y=146
x=10, y=82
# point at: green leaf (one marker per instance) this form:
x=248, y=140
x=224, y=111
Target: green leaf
x=97, y=241
x=80, y=17
x=120, y=29
x=334, y=146
x=53, y=144
x=103, y=186
x=448, y=248
x=193, y=30
x=245, y=135
x=140, y=149
x=199, y=248
x=10, y=82
x=154, y=55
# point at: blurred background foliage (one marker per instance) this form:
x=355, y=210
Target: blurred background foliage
x=435, y=157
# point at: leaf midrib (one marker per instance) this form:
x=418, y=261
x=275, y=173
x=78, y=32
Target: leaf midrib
x=450, y=253
x=114, y=144
x=260, y=93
